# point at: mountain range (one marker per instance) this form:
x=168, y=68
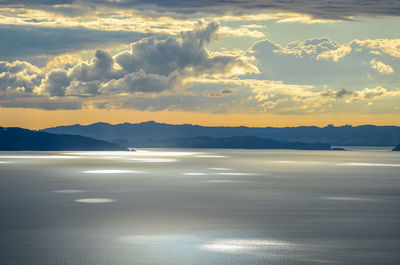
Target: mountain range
x=152, y=133
x=238, y=142
x=18, y=139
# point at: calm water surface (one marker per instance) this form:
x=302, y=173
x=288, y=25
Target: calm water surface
x=200, y=207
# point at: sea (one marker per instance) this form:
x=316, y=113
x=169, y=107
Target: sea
x=200, y=207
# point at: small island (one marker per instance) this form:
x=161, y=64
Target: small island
x=338, y=149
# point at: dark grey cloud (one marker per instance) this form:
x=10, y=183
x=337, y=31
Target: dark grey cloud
x=140, y=82
x=20, y=99
x=40, y=44
x=102, y=68
x=338, y=94
x=43, y=103
x=338, y=9
x=56, y=83
x=36, y=2
x=222, y=93
x=366, y=94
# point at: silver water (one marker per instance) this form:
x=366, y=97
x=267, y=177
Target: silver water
x=200, y=207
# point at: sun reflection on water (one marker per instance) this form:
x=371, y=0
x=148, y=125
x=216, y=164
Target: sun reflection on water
x=138, y=153
x=111, y=171
x=153, y=160
x=243, y=245
x=94, y=200
x=68, y=191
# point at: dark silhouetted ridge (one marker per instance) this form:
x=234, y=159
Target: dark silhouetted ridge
x=18, y=139
x=131, y=134
x=237, y=142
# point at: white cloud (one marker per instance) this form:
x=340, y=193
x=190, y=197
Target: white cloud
x=381, y=68
x=253, y=26
x=19, y=75
x=240, y=32
x=280, y=97
x=336, y=54
x=387, y=46
x=312, y=47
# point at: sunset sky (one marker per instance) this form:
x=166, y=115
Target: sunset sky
x=216, y=62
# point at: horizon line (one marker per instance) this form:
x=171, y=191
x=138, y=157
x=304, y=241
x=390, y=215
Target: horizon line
x=210, y=126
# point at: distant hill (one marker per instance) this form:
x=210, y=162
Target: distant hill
x=18, y=139
x=128, y=134
x=238, y=142
x=397, y=148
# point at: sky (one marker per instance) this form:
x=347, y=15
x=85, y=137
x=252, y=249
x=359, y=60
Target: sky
x=215, y=62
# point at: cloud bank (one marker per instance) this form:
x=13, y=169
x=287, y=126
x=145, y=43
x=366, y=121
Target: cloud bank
x=341, y=9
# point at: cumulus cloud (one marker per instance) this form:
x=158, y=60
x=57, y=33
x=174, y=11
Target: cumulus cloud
x=387, y=46
x=370, y=93
x=55, y=83
x=19, y=75
x=336, y=54
x=380, y=67
x=101, y=68
x=140, y=82
x=153, y=65
x=186, y=54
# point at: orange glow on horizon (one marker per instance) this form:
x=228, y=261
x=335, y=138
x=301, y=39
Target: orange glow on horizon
x=39, y=119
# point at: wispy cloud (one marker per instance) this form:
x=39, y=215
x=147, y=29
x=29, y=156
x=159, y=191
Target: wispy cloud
x=321, y=8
